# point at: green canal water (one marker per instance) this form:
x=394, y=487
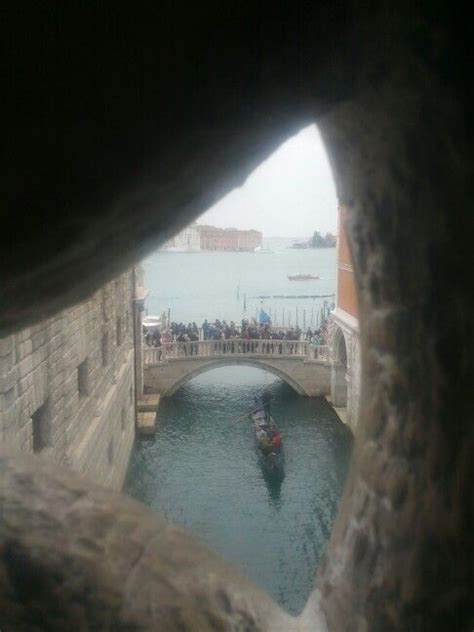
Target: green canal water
x=202, y=470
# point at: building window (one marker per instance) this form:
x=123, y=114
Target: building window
x=41, y=428
x=119, y=331
x=105, y=349
x=110, y=452
x=131, y=394
x=83, y=378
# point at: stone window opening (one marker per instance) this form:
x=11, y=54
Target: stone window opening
x=83, y=378
x=339, y=378
x=396, y=113
x=105, y=349
x=119, y=332
x=110, y=451
x=41, y=427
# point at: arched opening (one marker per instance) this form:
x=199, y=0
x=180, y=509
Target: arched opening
x=111, y=145
x=212, y=366
x=341, y=349
x=268, y=245
x=339, y=377
x=212, y=282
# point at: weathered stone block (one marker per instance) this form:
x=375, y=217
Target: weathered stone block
x=148, y=403
x=8, y=379
x=57, y=381
x=23, y=335
x=25, y=367
x=7, y=398
x=6, y=345
x=25, y=348
x=39, y=339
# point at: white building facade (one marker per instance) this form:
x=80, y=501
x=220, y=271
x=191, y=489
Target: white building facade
x=188, y=240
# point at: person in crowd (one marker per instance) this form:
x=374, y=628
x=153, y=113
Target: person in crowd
x=248, y=331
x=156, y=338
x=148, y=337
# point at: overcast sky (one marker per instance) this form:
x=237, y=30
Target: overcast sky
x=291, y=194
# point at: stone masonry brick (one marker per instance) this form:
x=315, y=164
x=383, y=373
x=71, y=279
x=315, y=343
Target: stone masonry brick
x=40, y=364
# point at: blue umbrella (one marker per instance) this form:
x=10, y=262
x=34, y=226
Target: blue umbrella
x=264, y=317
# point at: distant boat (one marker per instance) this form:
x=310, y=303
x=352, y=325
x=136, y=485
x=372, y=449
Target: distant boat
x=261, y=250
x=302, y=277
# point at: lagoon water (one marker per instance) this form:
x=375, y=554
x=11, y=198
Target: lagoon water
x=202, y=470
x=199, y=285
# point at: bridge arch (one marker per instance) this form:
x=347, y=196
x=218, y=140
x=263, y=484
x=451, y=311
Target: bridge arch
x=194, y=371
x=306, y=369
x=339, y=369
x=340, y=347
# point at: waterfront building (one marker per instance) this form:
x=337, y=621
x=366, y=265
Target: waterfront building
x=197, y=237
x=345, y=339
x=69, y=383
x=213, y=238
x=187, y=240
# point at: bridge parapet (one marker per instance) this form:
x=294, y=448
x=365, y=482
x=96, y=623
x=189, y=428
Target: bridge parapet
x=238, y=347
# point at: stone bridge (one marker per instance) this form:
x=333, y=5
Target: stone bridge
x=304, y=367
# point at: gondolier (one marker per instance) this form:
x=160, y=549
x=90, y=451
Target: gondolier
x=267, y=435
x=266, y=398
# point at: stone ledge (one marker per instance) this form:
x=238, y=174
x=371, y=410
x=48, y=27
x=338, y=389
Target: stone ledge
x=146, y=423
x=149, y=403
x=110, y=563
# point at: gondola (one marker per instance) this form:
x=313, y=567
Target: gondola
x=269, y=442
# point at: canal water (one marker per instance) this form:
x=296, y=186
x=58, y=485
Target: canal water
x=202, y=470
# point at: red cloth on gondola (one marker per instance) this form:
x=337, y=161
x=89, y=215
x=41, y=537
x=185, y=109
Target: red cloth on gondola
x=276, y=441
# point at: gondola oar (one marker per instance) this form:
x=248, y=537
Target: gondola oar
x=247, y=414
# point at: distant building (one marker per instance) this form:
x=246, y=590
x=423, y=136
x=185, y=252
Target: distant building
x=188, y=240
x=196, y=237
x=213, y=238
x=345, y=346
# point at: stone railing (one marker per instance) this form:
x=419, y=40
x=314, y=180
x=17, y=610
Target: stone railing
x=235, y=347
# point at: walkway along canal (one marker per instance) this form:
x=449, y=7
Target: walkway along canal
x=201, y=470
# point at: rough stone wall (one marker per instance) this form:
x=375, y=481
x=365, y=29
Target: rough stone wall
x=67, y=385
x=122, y=565
x=397, y=555
x=354, y=388
x=116, y=140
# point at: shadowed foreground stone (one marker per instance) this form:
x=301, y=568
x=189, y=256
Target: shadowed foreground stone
x=76, y=557
x=119, y=134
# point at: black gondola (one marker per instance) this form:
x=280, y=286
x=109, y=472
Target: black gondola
x=269, y=441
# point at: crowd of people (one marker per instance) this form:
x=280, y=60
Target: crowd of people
x=248, y=330
x=221, y=330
